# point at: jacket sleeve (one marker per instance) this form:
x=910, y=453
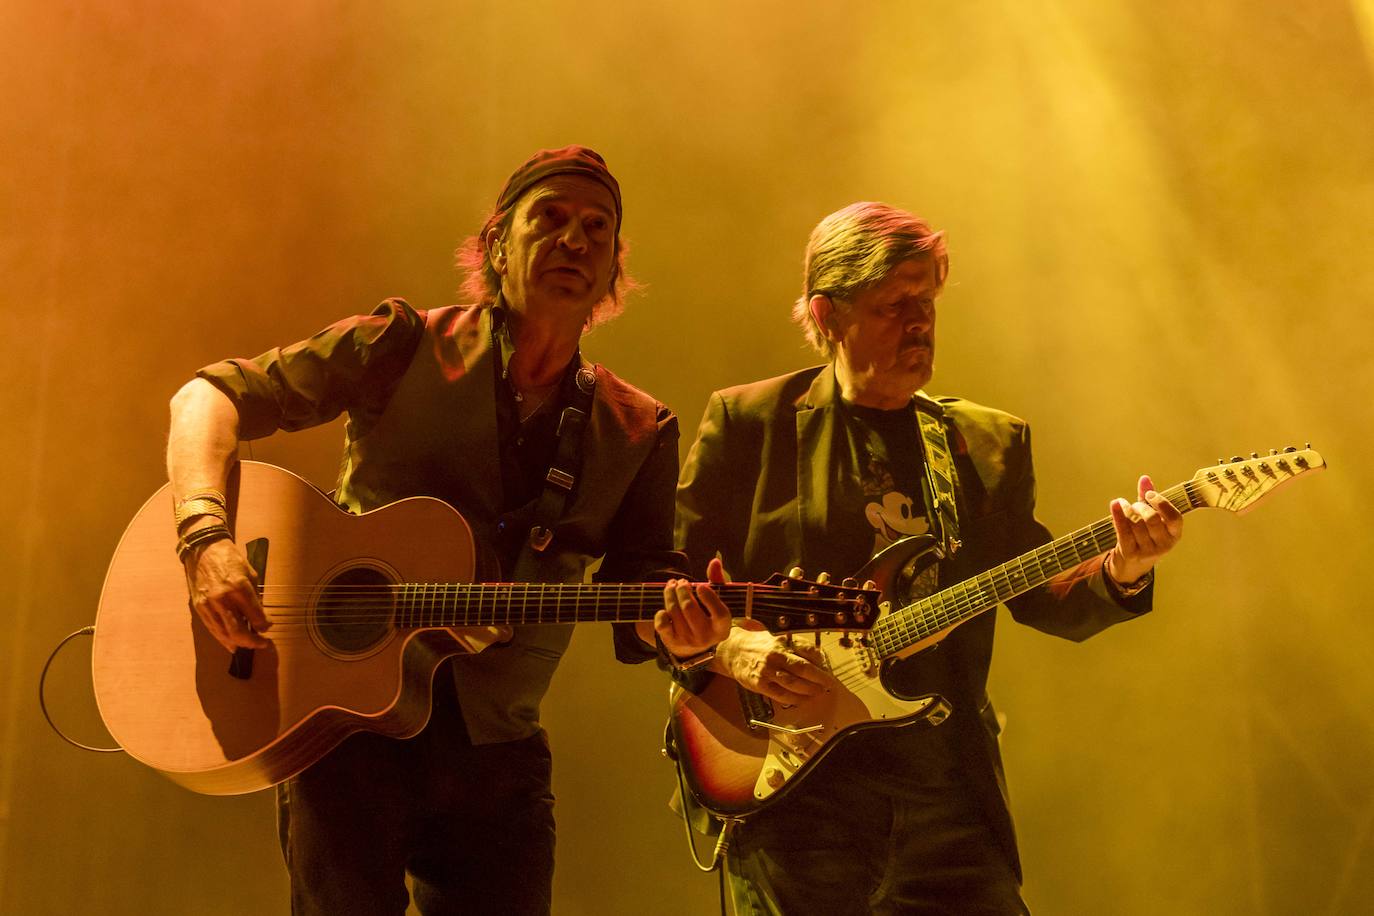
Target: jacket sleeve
x=639, y=541
x=354, y=365
x=1078, y=602
x=712, y=497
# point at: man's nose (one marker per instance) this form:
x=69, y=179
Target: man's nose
x=573, y=237
x=919, y=319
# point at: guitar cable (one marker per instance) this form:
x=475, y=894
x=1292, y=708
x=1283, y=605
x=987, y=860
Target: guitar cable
x=42, y=700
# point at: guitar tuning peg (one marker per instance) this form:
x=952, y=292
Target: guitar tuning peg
x=870, y=585
x=823, y=578
x=1273, y=451
x=849, y=582
x=795, y=573
x=1254, y=454
x=1291, y=448
x=1307, y=445
x=1221, y=461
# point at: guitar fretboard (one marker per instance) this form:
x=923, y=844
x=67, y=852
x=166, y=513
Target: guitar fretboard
x=509, y=604
x=522, y=603
x=947, y=609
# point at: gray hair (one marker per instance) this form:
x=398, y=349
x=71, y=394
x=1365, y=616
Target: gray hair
x=853, y=249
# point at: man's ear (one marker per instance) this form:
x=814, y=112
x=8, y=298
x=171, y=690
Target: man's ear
x=823, y=313
x=495, y=249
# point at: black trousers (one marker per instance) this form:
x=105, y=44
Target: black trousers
x=472, y=824
x=845, y=846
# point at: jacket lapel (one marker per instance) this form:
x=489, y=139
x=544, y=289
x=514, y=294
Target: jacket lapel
x=469, y=361
x=815, y=450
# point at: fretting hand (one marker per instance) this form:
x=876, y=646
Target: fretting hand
x=1145, y=531
x=693, y=618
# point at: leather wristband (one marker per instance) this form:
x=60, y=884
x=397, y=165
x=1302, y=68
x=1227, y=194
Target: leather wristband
x=683, y=665
x=1130, y=589
x=200, y=537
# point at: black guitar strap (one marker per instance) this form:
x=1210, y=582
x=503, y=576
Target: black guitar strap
x=567, y=460
x=941, y=480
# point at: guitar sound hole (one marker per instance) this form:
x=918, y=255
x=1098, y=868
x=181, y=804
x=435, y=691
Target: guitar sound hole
x=354, y=614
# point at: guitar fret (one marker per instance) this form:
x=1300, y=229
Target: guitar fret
x=940, y=612
x=426, y=605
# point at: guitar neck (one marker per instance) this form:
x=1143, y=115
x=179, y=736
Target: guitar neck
x=938, y=613
x=522, y=603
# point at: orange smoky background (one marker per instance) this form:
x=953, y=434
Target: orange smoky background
x=1159, y=219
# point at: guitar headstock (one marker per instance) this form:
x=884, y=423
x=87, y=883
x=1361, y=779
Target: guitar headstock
x=789, y=604
x=1241, y=482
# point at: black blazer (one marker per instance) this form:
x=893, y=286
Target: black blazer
x=755, y=489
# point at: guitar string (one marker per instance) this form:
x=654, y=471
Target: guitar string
x=899, y=625
x=930, y=615
x=505, y=606
x=589, y=614
x=975, y=588
x=894, y=622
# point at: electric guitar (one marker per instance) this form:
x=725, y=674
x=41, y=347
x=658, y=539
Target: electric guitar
x=363, y=610
x=738, y=751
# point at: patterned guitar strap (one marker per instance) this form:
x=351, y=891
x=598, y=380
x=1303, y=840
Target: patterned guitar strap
x=942, y=484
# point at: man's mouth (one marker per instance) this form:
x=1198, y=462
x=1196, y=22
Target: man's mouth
x=567, y=269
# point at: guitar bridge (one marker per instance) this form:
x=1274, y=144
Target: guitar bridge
x=758, y=709
x=787, y=729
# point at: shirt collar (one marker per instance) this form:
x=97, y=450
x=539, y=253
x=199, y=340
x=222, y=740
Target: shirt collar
x=505, y=344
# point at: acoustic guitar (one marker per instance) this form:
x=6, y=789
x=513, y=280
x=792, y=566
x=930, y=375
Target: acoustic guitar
x=363, y=610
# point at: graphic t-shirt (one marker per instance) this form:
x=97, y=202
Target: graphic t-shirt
x=878, y=490
x=878, y=498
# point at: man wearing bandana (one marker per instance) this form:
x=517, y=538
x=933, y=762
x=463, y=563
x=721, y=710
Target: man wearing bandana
x=461, y=403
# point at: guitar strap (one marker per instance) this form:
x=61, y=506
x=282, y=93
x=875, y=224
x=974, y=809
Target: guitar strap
x=941, y=481
x=567, y=459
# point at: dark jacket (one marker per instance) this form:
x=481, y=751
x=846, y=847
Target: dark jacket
x=419, y=389
x=755, y=488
